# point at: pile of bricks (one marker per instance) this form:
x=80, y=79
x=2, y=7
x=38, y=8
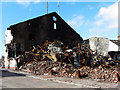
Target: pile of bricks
x=68, y=70
x=56, y=68
x=105, y=75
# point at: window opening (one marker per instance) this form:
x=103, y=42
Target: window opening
x=54, y=18
x=55, y=26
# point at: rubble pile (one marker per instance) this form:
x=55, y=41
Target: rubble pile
x=56, y=68
x=55, y=58
x=105, y=75
x=68, y=70
x=53, y=51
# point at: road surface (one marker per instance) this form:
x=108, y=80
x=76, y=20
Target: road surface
x=18, y=79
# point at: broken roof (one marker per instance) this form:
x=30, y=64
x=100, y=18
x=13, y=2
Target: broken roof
x=54, y=13
x=114, y=41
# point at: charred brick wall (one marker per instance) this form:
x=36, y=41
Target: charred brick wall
x=48, y=27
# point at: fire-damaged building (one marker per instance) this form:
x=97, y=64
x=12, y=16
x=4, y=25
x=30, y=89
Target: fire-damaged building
x=22, y=36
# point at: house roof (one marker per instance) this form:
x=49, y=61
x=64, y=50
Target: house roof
x=34, y=19
x=115, y=41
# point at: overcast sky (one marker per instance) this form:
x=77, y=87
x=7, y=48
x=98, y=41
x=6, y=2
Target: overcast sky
x=86, y=18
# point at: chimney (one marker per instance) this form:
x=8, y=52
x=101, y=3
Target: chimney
x=118, y=37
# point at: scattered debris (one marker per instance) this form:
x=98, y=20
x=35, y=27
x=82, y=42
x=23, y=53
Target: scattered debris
x=54, y=58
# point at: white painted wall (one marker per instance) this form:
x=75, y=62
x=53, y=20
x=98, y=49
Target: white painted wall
x=6, y=58
x=99, y=44
x=112, y=46
x=13, y=64
x=102, y=45
x=8, y=39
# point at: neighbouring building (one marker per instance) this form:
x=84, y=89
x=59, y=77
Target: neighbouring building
x=22, y=36
x=115, y=54
x=114, y=51
x=104, y=46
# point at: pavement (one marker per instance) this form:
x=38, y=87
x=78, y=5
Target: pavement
x=19, y=79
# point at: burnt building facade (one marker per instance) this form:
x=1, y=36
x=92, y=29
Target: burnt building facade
x=35, y=31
